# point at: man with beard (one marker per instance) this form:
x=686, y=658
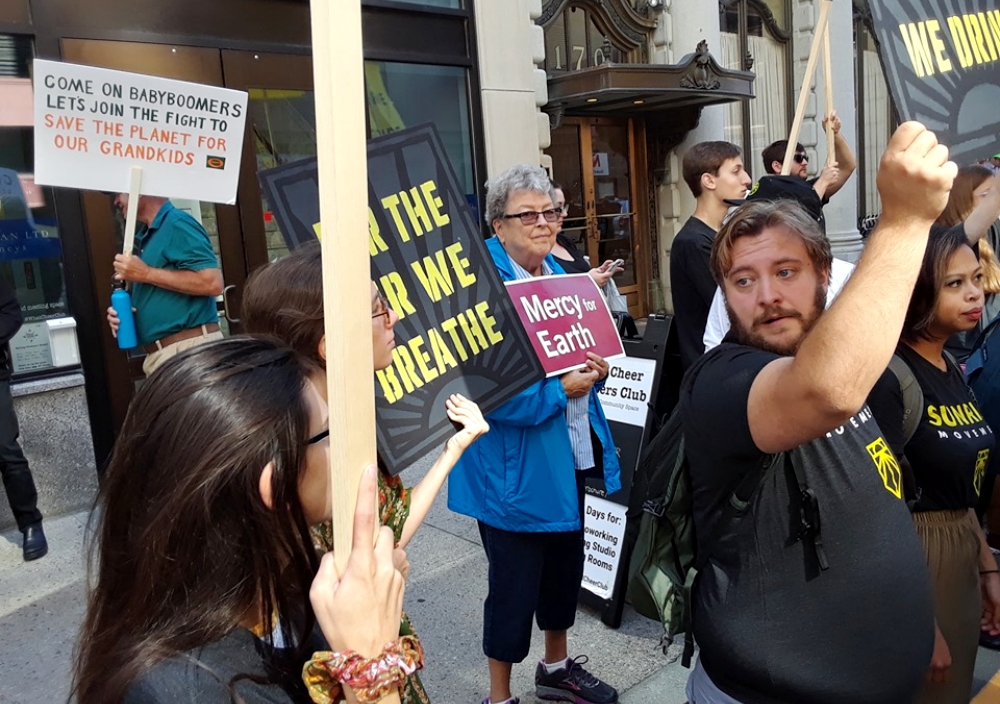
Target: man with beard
x=175, y=278
x=815, y=588
x=773, y=188
x=833, y=176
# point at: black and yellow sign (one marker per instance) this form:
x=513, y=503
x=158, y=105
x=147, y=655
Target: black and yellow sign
x=942, y=64
x=457, y=329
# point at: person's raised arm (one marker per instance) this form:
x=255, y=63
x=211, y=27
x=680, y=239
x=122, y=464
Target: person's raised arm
x=359, y=610
x=827, y=178
x=796, y=399
x=467, y=414
x=846, y=162
x=985, y=213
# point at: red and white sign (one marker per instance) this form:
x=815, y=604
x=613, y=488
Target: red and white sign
x=566, y=317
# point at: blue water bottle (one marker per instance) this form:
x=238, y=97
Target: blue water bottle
x=121, y=301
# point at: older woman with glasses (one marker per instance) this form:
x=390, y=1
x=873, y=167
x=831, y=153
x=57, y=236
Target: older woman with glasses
x=523, y=482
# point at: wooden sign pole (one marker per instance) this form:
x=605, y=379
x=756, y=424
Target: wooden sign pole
x=831, y=154
x=132, y=210
x=807, y=81
x=338, y=72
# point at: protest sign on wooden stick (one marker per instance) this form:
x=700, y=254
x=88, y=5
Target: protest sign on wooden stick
x=807, y=81
x=132, y=211
x=338, y=71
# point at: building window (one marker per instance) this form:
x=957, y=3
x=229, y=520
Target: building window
x=397, y=99
x=755, y=37
x=875, y=121
x=30, y=248
x=452, y=4
x=574, y=41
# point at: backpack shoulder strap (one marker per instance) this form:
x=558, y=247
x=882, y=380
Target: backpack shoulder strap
x=738, y=502
x=913, y=396
x=810, y=526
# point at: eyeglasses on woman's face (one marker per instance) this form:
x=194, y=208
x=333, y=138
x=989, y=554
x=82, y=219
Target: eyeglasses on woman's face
x=318, y=437
x=380, y=309
x=530, y=217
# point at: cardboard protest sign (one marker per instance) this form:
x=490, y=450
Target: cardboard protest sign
x=458, y=331
x=566, y=317
x=93, y=125
x=942, y=64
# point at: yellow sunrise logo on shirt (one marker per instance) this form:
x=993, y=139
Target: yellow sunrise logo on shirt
x=888, y=467
x=982, y=460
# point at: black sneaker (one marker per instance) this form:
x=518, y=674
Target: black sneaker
x=573, y=684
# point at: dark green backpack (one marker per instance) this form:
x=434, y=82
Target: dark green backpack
x=665, y=561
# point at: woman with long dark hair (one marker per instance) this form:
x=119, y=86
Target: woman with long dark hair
x=285, y=300
x=973, y=208
x=947, y=455
x=204, y=563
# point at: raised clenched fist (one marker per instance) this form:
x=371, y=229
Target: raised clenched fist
x=914, y=176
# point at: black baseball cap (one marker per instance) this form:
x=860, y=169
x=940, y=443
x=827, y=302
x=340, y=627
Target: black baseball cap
x=785, y=188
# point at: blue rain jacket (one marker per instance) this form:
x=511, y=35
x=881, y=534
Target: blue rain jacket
x=520, y=476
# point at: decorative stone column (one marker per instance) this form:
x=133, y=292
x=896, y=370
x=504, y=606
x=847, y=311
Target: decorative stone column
x=842, y=210
x=512, y=87
x=682, y=26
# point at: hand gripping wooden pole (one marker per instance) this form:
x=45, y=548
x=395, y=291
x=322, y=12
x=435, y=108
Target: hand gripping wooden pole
x=807, y=81
x=338, y=72
x=132, y=210
x=831, y=152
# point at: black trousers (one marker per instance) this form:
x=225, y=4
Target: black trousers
x=530, y=575
x=17, y=481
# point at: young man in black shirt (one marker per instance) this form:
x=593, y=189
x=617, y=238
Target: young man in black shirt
x=714, y=172
x=839, y=611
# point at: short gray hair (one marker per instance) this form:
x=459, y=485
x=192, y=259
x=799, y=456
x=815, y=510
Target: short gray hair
x=523, y=177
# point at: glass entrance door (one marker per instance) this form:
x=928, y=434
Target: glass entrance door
x=595, y=160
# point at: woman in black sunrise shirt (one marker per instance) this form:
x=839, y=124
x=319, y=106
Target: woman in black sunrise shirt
x=950, y=454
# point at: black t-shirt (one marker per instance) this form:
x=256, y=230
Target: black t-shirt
x=951, y=449
x=576, y=265
x=203, y=675
x=692, y=286
x=772, y=627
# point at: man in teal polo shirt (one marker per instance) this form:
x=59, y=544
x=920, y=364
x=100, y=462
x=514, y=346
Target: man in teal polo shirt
x=175, y=279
